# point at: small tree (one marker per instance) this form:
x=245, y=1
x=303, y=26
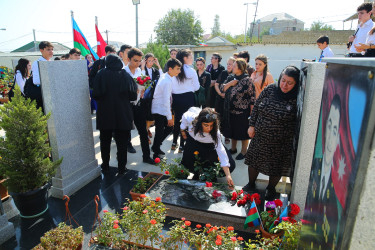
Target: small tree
x=159, y=50
x=215, y=31
x=179, y=27
x=320, y=26
x=25, y=150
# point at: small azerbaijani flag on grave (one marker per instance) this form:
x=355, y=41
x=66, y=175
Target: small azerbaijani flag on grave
x=81, y=43
x=252, y=219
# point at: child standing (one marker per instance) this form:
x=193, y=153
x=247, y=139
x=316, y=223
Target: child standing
x=322, y=43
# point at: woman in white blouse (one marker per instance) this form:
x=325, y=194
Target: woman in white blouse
x=183, y=93
x=23, y=70
x=200, y=129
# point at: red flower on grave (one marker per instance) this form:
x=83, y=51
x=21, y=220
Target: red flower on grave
x=257, y=231
x=157, y=199
x=230, y=228
x=199, y=226
x=218, y=242
x=157, y=160
x=208, y=184
x=115, y=221
x=233, y=239
x=183, y=219
x=143, y=196
x=239, y=238
x=125, y=208
x=285, y=218
x=278, y=203
x=241, y=192
x=215, y=228
x=294, y=210
x=153, y=221
x=183, y=226
x=145, y=211
x=216, y=194
x=187, y=223
x=234, y=196
x=208, y=225
x=256, y=198
x=115, y=226
x=167, y=172
x=105, y=211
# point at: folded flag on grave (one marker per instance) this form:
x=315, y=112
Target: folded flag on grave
x=253, y=218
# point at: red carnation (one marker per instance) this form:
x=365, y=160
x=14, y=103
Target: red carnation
x=234, y=196
x=167, y=172
x=278, y=203
x=216, y=194
x=157, y=160
x=199, y=226
x=230, y=228
x=294, y=209
x=208, y=184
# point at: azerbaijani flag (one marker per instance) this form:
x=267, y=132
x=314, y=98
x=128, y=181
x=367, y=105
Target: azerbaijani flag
x=252, y=219
x=81, y=43
x=100, y=48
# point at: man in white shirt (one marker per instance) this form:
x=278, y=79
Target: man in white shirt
x=364, y=26
x=46, y=48
x=139, y=112
x=161, y=105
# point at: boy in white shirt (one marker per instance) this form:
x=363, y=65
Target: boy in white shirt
x=161, y=105
x=322, y=43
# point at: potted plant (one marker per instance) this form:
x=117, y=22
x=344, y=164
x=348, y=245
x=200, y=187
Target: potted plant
x=174, y=169
x=25, y=162
x=139, y=225
x=62, y=237
x=144, y=184
x=207, y=171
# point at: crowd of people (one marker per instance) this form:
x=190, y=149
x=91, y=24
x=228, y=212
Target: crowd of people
x=240, y=102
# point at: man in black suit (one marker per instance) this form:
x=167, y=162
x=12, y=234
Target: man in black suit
x=100, y=64
x=113, y=89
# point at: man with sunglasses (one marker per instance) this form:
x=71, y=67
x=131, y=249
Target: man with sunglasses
x=215, y=69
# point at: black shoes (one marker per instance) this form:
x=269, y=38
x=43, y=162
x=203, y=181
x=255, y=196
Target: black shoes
x=181, y=149
x=121, y=172
x=232, y=151
x=131, y=149
x=149, y=161
x=240, y=156
x=174, y=146
x=157, y=152
x=271, y=194
x=249, y=187
x=105, y=168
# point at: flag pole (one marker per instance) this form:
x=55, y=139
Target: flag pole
x=260, y=218
x=71, y=13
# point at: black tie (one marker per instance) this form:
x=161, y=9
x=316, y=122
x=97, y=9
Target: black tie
x=321, y=56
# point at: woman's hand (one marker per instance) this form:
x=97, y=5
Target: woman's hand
x=251, y=132
x=222, y=95
x=229, y=178
x=143, y=64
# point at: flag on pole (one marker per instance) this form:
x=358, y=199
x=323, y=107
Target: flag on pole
x=81, y=43
x=252, y=219
x=100, y=49
x=283, y=214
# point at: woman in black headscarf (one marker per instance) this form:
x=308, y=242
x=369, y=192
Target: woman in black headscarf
x=272, y=127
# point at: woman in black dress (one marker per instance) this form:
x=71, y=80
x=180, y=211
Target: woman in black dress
x=272, y=127
x=239, y=100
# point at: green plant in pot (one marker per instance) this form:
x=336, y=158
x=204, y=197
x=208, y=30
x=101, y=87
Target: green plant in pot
x=25, y=162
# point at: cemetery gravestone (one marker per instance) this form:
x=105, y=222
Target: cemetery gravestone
x=66, y=95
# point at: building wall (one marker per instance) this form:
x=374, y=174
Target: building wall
x=308, y=37
x=278, y=27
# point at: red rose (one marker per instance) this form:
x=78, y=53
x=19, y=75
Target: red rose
x=233, y=238
x=285, y=218
x=167, y=172
x=208, y=184
x=153, y=222
x=187, y=223
x=199, y=226
x=157, y=199
x=241, y=192
x=234, y=196
x=293, y=220
x=141, y=82
x=139, y=79
x=218, y=242
x=230, y=228
x=182, y=171
x=294, y=209
x=278, y=203
x=115, y=226
x=157, y=160
x=216, y=194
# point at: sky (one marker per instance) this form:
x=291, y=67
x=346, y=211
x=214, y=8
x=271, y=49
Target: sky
x=51, y=19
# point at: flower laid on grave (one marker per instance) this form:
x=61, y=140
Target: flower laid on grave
x=240, y=198
x=141, y=222
x=200, y=237
x=144, y=81
x=206, y=171
x=216, y=194
x=175, y=169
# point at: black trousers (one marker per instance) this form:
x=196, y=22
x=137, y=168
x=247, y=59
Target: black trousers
x=207, y=152
x=181, y=103
x=139, y=114
x=161, y=131
x=121, y=138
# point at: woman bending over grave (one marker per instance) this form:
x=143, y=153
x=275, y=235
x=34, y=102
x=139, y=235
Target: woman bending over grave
x=272, y=128
x=200, y=129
